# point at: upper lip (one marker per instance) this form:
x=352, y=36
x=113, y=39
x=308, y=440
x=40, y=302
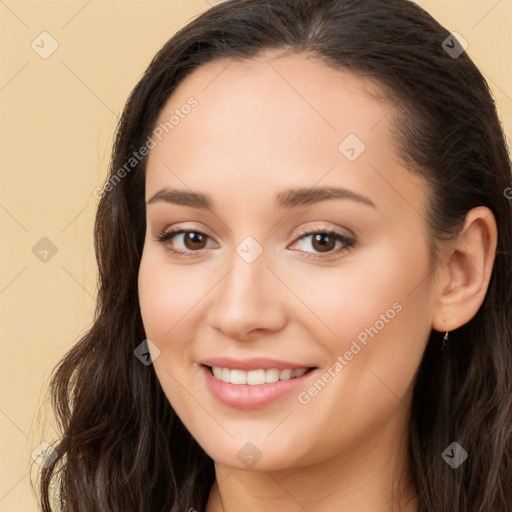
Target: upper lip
x=253, y=363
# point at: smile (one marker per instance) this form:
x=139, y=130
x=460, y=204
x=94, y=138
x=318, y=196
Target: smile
x=253, y=383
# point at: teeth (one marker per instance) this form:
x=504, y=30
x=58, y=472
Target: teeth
x=300, y=372
x=285, y=375
x=256, y=377
x=253, y=377
x=238, y=376
x=272, y=375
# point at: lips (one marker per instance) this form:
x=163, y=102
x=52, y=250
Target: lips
x=252, y=383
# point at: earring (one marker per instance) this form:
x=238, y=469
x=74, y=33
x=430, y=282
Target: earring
x=445, y=341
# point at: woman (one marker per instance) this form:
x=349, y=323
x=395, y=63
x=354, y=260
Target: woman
x=305, y=281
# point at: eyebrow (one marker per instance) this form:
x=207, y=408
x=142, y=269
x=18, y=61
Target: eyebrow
x=286, y=199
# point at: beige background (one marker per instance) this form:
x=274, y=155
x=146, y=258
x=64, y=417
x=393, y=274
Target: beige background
x=58, y=118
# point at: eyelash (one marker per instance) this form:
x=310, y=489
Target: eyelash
x=348, y=243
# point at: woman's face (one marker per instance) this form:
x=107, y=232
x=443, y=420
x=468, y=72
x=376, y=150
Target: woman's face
x=277, y=274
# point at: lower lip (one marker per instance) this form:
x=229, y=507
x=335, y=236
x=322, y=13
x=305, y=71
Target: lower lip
x=245, y=396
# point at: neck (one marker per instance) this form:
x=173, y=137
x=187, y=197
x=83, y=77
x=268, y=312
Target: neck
x=371, y=475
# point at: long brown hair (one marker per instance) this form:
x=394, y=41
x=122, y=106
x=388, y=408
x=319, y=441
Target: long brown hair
x=123, y=448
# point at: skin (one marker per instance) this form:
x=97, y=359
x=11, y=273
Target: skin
x=263, y=126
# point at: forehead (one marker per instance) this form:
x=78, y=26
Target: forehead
x=280, y=89
x=276, y=121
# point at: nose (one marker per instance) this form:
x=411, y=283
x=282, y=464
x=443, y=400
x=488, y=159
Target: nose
x=249, y=299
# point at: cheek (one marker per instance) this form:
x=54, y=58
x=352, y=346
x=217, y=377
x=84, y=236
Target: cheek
x=168, y=297
x=380, y=317
x=166, y=294
x=378, y=314
x=369, y=291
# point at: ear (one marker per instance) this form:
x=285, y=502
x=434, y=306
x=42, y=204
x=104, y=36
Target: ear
x=465, y=274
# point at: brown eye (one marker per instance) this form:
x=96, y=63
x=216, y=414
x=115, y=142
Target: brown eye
x=194, y=240
x=184, y=242
x=323, y=242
